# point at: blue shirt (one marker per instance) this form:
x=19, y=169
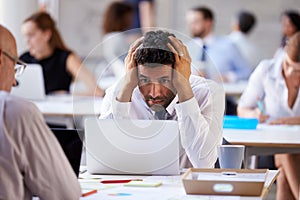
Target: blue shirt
x=223, y=58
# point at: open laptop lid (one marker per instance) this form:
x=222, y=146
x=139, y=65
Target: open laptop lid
x=30, y=83
x=71, y=143
x=132, y=146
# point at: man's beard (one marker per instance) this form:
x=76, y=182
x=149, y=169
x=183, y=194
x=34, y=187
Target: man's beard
x=158, y=107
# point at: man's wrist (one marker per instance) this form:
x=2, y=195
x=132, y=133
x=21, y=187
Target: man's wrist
x=125, y=93
x=184, y=92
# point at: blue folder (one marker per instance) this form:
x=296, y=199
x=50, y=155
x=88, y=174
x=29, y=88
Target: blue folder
x=235, y=122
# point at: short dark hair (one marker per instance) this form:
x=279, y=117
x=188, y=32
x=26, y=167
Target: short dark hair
x=207, y=13
x=246, y=21
x=294, y=17
x=154, y=50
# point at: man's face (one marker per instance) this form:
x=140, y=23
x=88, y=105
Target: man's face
x=156, y=87
x=197, y=25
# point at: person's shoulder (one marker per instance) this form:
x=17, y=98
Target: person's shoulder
x=223, y=39
x=224, y=43
x=265, y=65
x=201, y=83
x=20, y=108
x=62, y=52
x=205, y=87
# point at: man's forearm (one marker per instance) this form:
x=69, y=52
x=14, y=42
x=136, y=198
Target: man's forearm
x=184, y=92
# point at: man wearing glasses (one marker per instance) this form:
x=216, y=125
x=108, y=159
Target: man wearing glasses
x=31, y=160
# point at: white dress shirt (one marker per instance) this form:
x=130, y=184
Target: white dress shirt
x=267, y=84
x=200, y=119
x=32, y=161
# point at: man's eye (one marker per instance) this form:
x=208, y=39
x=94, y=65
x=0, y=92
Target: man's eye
x=144, y=81
x=164, y=81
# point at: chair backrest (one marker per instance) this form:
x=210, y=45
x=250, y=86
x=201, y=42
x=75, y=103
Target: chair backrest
x=71, y=143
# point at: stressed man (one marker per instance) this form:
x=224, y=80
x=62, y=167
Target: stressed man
x=158, y=85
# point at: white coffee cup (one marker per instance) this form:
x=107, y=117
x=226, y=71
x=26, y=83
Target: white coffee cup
x=231, y=156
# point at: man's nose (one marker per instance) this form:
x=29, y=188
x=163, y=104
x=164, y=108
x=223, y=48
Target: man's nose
x=154, y=90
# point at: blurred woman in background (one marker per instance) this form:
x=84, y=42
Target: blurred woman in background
x=115, y=43
x=60, y=65
x=290, y=24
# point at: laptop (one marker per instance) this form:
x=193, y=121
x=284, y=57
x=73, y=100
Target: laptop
x=30, y=83
x=71, y=143
x=125, y=146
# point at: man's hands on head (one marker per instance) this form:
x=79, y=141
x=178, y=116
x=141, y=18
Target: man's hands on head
x=181, y=73
x=130, y=79
x=182, y=69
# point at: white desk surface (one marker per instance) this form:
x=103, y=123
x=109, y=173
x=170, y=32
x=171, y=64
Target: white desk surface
x=265, y=135
x=68, y=105
x=171, y=189
x=265, y=140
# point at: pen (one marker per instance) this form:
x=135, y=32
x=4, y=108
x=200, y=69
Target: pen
x=119, y=181
x=89, y=193
x=260, y=106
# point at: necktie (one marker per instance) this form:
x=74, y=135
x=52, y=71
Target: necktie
x=203, y=56
x=161, y=115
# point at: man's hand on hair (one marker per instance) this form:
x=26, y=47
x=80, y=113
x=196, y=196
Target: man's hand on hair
x=182, y=69
x=130, y=79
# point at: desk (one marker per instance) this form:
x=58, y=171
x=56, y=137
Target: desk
x=171, y=189
x=64, y=108
x=265, y=140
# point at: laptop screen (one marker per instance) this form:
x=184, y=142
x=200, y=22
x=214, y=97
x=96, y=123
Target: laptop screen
x=71, y=143
x=132, y=146
x=31, y=83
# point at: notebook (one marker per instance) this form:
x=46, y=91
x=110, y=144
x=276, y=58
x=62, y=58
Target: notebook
x=30, y=83
x=71, y=143
x=132, y=146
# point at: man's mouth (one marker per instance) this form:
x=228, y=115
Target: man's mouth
x=157, y=101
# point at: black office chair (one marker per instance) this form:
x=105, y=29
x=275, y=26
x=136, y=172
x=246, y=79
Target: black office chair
x=71, y=143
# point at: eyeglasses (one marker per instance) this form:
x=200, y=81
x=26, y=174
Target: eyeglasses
x=19, y=66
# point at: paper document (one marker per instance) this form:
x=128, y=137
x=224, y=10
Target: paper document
x=229, y=176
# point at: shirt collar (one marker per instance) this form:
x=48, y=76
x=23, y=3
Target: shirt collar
x=209, y=39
